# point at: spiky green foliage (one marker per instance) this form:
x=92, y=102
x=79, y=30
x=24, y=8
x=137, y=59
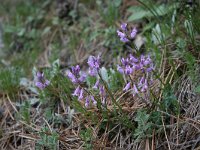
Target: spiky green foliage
x=10, y=80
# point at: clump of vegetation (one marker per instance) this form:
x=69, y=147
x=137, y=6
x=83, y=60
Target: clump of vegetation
x=10, y=81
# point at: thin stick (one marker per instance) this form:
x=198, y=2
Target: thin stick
x=166, y=134
x=177, y=142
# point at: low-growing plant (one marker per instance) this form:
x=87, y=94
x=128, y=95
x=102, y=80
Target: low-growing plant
x=10, y=80
x=109, y=10
x=86, y=135
x=25, y=112
x=48, y=140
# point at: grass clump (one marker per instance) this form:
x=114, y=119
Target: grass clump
x=10, y=81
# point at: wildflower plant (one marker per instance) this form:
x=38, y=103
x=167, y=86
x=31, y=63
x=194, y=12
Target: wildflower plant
x=40, y=81
x=138, y=71
x=99, y=92
x=124, y=34
x=78, y=78
x=51, y=84
x=144, y=67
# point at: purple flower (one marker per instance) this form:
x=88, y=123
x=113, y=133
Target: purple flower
x=80, y=97
x=93, y=100
x=123, y=26
x=41, y=82
x=93, y=72
x=94, y=65
x=40, y=85
x=126, y=67
x=135, y=90
x=121, y=34
x=132, y=64
x=72, y=77
x=142, y=58
x=125, y=61
x=82, y=77
x=120, y=69
x=133, y=32
x=47, y=82
x=147, y=61
x=149, y=69
x=133, y=59
x=87, y=101
x=77, y=91
x=124, y=39
x=75, y=70
x=75, y=75
x=127, y=87
x=40, y=75
x=102, y=91
x=94, y=62
x=103, y=100
x=96, y=84
x=145, y=86
x=128, y=70
x=141, y=82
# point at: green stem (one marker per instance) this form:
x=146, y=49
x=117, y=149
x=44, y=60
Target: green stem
x=110, y=93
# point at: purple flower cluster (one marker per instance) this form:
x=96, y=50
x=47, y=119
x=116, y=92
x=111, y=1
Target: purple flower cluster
x=41, y=82
x=124, y=35
x=79, y=92
x=88, y=99
x=130, y=65
x=77, y=78
x=94, y=65
x=75, y=75
x=133, y=32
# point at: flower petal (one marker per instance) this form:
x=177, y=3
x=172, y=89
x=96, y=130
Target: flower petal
x=127, y=87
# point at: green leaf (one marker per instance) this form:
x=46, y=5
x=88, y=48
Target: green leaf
x=181, y=43
x=137, y=13
x=157, y=34
x=21, y=32
x=142, y=117
x=90, y=81
x=197, y=89
x=140, y=13
x=55, y=21
x=104, y=74
x=117, y=3
x=46, y=30
x=116, y=80
x=10, y=29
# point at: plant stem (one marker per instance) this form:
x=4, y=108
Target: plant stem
x=110, y=93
